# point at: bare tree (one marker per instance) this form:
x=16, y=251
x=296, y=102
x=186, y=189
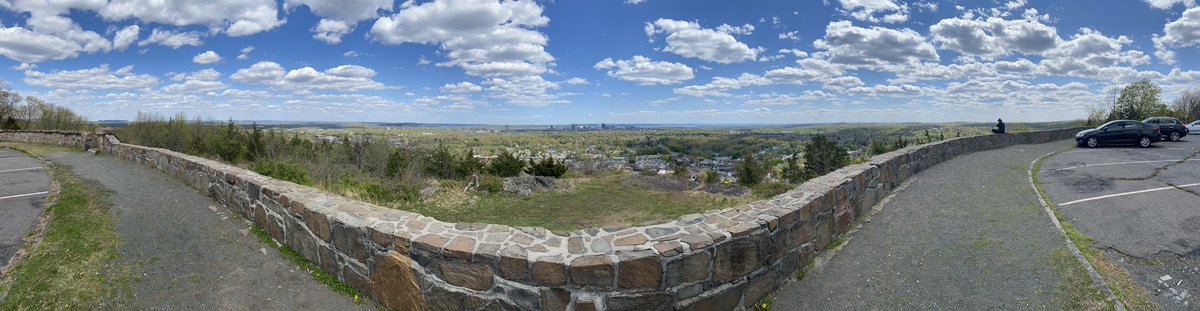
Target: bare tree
x=1188, y=105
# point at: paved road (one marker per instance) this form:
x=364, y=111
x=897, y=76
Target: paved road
x=23, y=186
x=188, y=254
x=967, y=234
x=1138, y=217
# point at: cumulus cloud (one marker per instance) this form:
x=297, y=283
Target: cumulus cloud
x=344, y=78
x=203, y=81
x=126, y=36
x=994, y=37
x=1167, y=4
x=98, y=78
x=207, y=57
x=688, y=39
x=875, y=11
x=873, y=47
x=461, y=87
x=644, y=71
x=172, y=39
x=1179, y=33
x=528, y=91
x=484, y=37
x=245, y=52
x=719, y=86
x=23, y=45
x=233, y=17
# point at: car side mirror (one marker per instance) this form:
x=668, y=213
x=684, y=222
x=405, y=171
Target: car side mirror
x=1104, y=129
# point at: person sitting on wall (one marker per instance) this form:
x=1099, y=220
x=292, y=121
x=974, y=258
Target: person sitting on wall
x=999, y=127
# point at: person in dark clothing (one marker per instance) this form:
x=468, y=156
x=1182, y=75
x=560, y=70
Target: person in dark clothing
x=999, y=127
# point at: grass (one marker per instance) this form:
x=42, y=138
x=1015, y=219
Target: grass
x=73, y=265
x=1134, y=297
x=599, y=201
x=38, y=149
x=317, y=274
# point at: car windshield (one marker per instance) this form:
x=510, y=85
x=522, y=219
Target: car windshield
x=1112, y=125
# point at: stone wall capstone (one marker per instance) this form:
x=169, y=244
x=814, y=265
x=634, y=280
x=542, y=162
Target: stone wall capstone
x=723, y=259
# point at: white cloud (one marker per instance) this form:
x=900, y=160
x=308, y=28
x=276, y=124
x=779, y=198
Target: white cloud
x=234, y=17
x=994, y=37
x=720, y=85
x=344, y=78
x=125, y=37
x=529, y=91
x=1167, y=4
x=644, y=71
x=634, y=1
x=331, y=31
x=26, y=46
x=869, y=10
x=24, y=66
x=203, y=81
x=1179, y=33
x=172, y=38
x=688, y=39
x=461, y=87
x=876, y=46
x=484, y=37
x=576, y=81
x=245, y=52
x=98, y=78
x=207, y=57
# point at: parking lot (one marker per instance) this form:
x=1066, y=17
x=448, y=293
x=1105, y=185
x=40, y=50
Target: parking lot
x=23, y=188
x=1143, y=208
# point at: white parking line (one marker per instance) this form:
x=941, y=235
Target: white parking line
x=1127, y=193
x=24, y=195
x=1113, y=163
x=22, y=169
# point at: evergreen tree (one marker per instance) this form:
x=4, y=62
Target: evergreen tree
x=546, y=167
x=506, y=165
x=822, y=156
x=749, y=171
x=793, y=172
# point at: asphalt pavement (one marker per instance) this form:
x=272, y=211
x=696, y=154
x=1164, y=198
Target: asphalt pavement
x=24, y=184
x=1142, y=206
x=967, y=234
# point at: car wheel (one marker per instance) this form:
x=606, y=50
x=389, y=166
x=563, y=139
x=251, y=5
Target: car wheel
x=1092, y=142
x=1144, y=142
x=1174, y=136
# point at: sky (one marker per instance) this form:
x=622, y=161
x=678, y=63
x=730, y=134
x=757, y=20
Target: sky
x=593, y=61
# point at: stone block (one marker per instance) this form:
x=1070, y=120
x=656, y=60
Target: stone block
x=514, y=265
x=318, y=223
x=593, y=271
x=759, y=287
x=443, y=299
x=555, y=299
x=549, y=271
x=350, y=241
x=640, y=301
x=301, y=241
x=721, y=299
x=460, y=248
x=639, y=269
x=737, y=258
x=475, y=276
x=689, y=268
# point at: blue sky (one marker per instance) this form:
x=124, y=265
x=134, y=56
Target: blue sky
x=592, y=61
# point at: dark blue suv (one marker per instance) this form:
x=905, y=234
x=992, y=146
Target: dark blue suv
x=1170, y=128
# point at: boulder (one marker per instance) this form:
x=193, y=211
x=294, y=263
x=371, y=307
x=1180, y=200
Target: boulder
x=528, y=185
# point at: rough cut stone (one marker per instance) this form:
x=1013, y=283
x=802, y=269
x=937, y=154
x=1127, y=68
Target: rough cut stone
x=475, y=276
x=592, y=271
x=549, y=270
x=575, y=245
x=639, y=269
x=513, y=264
x=690, y=268
x=736, y=258
x=659, y=232
x=460, y=248
x=602, y=246
x=641, y=301
x=555, y=299
x=636, y=239
x=394, y=284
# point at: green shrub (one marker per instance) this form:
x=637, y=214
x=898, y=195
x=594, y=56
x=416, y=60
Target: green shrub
x=283, y=171
x=546, y=167
x=793, y=172
x=822, y=156
x=468, y=164
x=491, y=183
x=440, y=162
x=506, y=165
x=770, y=189
x=711, y=177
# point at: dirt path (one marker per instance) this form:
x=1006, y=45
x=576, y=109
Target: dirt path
x=967, y=234
x=187, y=253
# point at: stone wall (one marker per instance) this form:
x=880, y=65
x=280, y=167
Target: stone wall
x=66, y=138
x=720, y=260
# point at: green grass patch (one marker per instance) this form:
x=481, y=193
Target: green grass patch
x=835, y=243
x=38, y=149
x=765, y=303
x=73, y=266
x=317, y=274
x=599, y=201
x=1134, y=297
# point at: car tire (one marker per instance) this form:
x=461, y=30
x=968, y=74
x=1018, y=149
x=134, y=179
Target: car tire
x=1175, y=136
x=1144, y=142
x=1092, y=142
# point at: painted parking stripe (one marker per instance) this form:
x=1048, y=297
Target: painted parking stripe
x=22, y=169
x=1127, y=193
x=24, y=195
x=1113, y=163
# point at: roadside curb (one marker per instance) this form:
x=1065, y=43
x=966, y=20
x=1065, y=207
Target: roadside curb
x=1096, y=278
x=33, y=238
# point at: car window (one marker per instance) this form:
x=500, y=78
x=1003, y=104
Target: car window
x=1152, y=121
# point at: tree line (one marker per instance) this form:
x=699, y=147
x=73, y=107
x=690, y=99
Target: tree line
x=1141, y=100
x=31, y=113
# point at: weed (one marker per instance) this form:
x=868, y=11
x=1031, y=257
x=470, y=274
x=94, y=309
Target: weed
x=298, y=260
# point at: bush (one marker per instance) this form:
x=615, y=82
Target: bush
x=749, y=171
x=491, y=183
x=439, y=162
x=793, y=172
x=546, y=167
x=711, y=177
x=283, y=171
x=770, y=189
x=822, y=156
x=468, y=164
x=506, y=165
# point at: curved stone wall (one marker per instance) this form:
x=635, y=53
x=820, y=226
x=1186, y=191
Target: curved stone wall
x=719, y=260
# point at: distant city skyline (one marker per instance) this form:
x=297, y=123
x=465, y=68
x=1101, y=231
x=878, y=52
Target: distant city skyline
x=499, y=62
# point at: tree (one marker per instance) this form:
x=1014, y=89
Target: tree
x=506, y=165
x=711, y=177
x=680, y=171
x=1187, y=106
x=1138, y=101
x=749, y=171
x=822, y=156
x=468, y=164
x=439, y=162
x=793, y=172
x=397, y=163
x=546, y=167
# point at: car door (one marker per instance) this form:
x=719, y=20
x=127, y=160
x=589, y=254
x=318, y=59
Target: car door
x=1112, y=133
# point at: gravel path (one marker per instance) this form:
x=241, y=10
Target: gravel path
x=187, y=253
x=967, y=234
